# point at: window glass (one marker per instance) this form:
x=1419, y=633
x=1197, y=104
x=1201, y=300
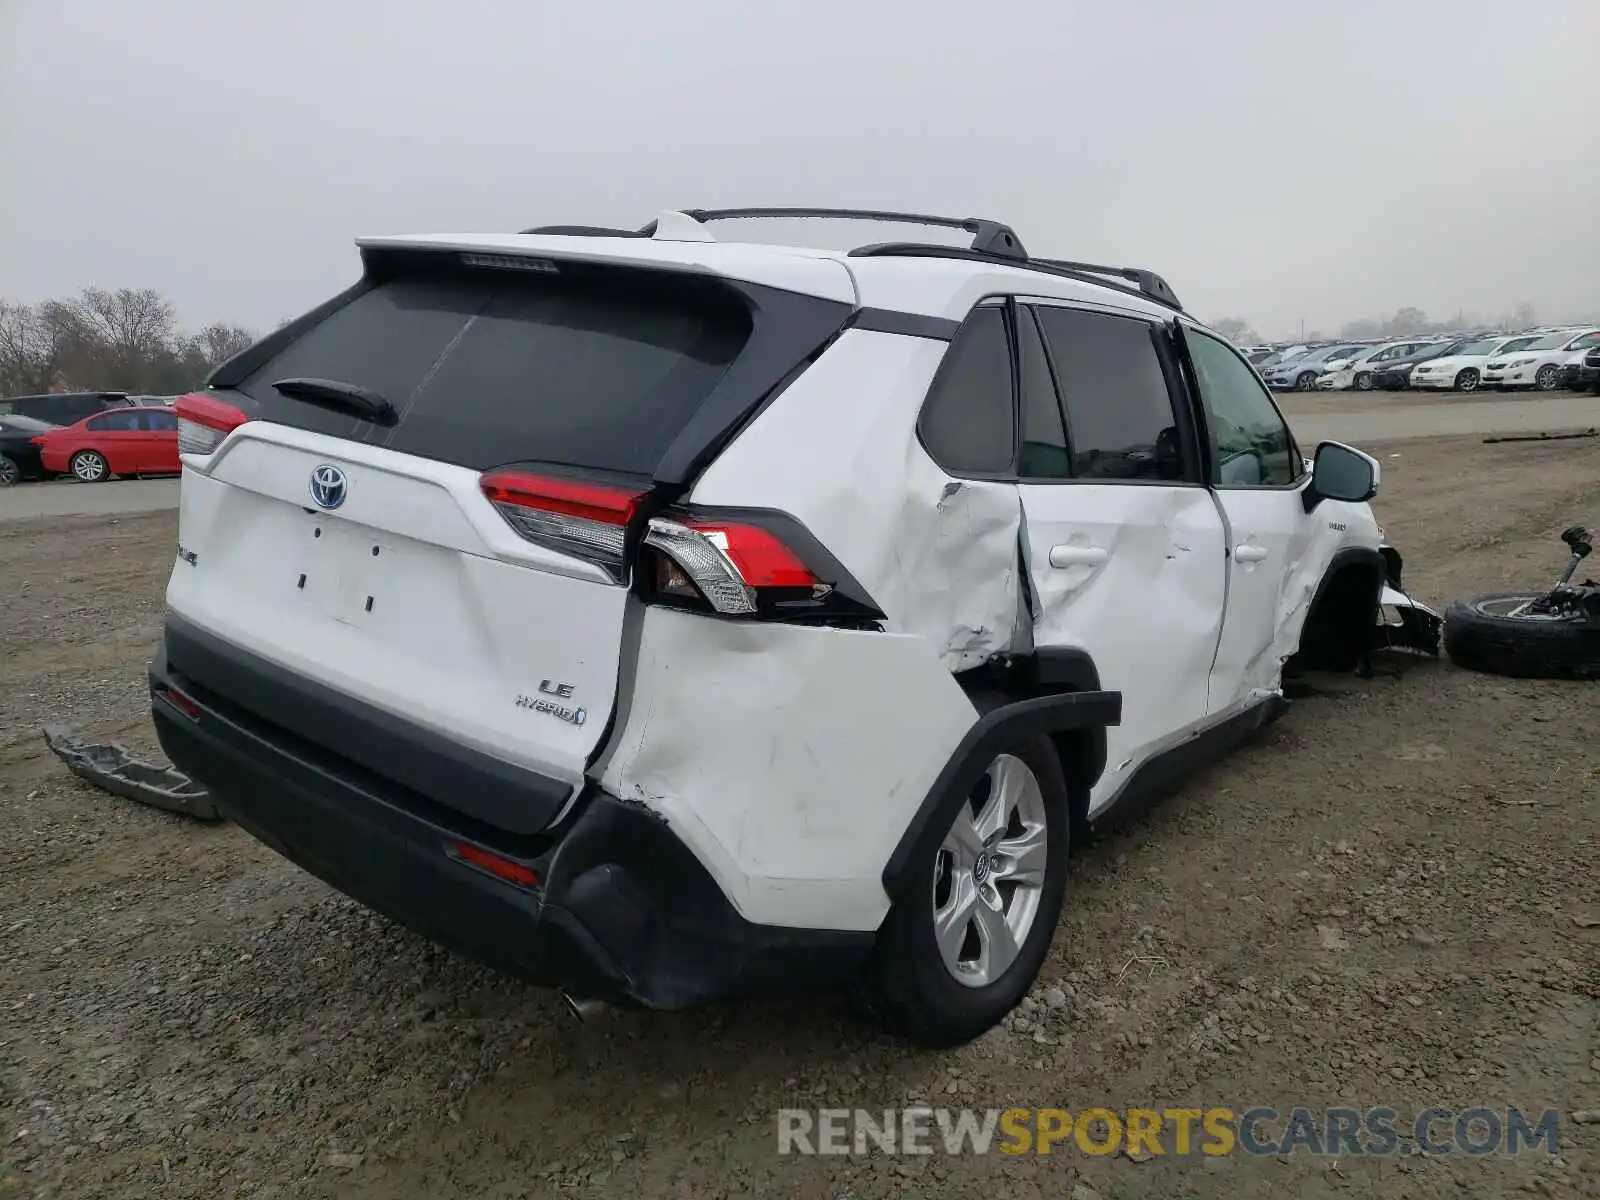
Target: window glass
x=158, y=420
x=1120, y=422
x=27, y=425
x=1252, y=446
x=967, y=422
x=1549, y=342
x=1044, y=436
x=598, y=368
x=117, y=422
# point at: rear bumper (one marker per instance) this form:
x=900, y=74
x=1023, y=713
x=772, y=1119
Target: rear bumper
x=622, y=910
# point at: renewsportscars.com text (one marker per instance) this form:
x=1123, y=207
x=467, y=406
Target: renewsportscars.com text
x=1380, y=1132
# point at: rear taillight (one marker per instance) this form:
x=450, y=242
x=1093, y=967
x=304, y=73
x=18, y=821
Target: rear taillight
x=204, y=421
x=728, y=565
x=749, y=564
x=585, y=520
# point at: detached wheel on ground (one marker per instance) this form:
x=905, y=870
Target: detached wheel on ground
x=10, y=472
x=966, y=941
x=1467, y=381
x=1493, y=633
x=89, y=466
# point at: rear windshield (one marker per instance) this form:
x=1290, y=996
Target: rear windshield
x=599, y=369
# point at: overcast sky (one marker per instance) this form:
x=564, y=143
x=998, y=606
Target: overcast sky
x=1315, y=160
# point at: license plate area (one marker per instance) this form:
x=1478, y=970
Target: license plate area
x=340, y=570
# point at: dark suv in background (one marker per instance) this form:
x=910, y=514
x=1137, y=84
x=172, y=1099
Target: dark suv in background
x=63, y=408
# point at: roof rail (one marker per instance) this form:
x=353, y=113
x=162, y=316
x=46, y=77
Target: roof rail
x=988, y=237
x=1146, y=284
x=991, y=241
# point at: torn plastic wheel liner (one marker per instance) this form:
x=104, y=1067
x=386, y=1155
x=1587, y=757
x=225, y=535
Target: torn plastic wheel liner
x=1404, y=624
x=114, y=769
x=1407, y=625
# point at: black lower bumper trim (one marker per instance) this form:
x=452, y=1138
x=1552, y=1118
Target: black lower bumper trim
x=623, y=911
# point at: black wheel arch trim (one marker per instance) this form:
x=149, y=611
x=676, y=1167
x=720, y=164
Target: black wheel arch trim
x=1008, y=721
x=1355, y=556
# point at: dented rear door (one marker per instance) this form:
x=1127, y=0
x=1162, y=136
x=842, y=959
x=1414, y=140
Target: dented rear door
x=1124, y=546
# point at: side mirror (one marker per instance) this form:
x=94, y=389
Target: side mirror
x=1340, y=472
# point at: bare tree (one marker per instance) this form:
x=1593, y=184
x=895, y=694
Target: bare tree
x=1236, y=331
x=129, y=323
x=219, y=342
x=38, y=344
x=1408, y=320
x=124, y=340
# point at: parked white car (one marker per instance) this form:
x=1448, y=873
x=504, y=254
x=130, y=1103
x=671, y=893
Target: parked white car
x=1539, y=364
x=1358, y=371
x=1463, y=372
x=661, y=618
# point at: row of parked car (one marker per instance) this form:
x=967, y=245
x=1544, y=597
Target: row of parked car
x=91, y=436
x=1534, y=359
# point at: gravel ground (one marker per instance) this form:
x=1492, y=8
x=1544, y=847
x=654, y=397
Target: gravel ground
x=1389, y=900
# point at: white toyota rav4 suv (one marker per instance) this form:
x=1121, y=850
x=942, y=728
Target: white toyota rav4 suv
x=662, y=618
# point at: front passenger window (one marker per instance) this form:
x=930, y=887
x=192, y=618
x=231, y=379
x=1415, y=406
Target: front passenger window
x=1251, y=446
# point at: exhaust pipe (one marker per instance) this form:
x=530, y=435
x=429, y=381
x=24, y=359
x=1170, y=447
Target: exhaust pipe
x=587, y=1011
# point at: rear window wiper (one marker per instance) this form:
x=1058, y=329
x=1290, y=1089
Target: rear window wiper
x=330, y=393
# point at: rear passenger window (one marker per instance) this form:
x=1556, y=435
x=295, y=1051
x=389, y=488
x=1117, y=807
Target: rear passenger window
x=967, y=423
x=158, y=420
x=116, y=422
x=1044, y=436
x=1120, y=422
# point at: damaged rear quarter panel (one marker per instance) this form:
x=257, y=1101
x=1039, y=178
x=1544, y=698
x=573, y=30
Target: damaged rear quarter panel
x=839, y=452
x=789, y=758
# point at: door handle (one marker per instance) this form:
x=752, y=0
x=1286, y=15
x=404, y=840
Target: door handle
x=1077, y=556
x=1249, y=554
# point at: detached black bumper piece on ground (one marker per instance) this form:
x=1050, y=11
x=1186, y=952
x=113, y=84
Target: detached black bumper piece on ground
x=610, y=906
x=114, y=769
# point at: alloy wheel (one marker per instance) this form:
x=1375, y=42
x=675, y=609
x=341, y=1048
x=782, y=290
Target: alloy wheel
x=88, y=466
x=989, y=874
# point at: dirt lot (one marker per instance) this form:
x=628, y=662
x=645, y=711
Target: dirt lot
x=1388, y=901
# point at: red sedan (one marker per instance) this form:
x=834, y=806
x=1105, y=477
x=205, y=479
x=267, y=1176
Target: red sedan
x=118, y=441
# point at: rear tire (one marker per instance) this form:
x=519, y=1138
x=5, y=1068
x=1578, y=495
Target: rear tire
x=89, y=466
x=936, y=992
x=1479, y=636
x=10, y=471
x=1467, y=381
